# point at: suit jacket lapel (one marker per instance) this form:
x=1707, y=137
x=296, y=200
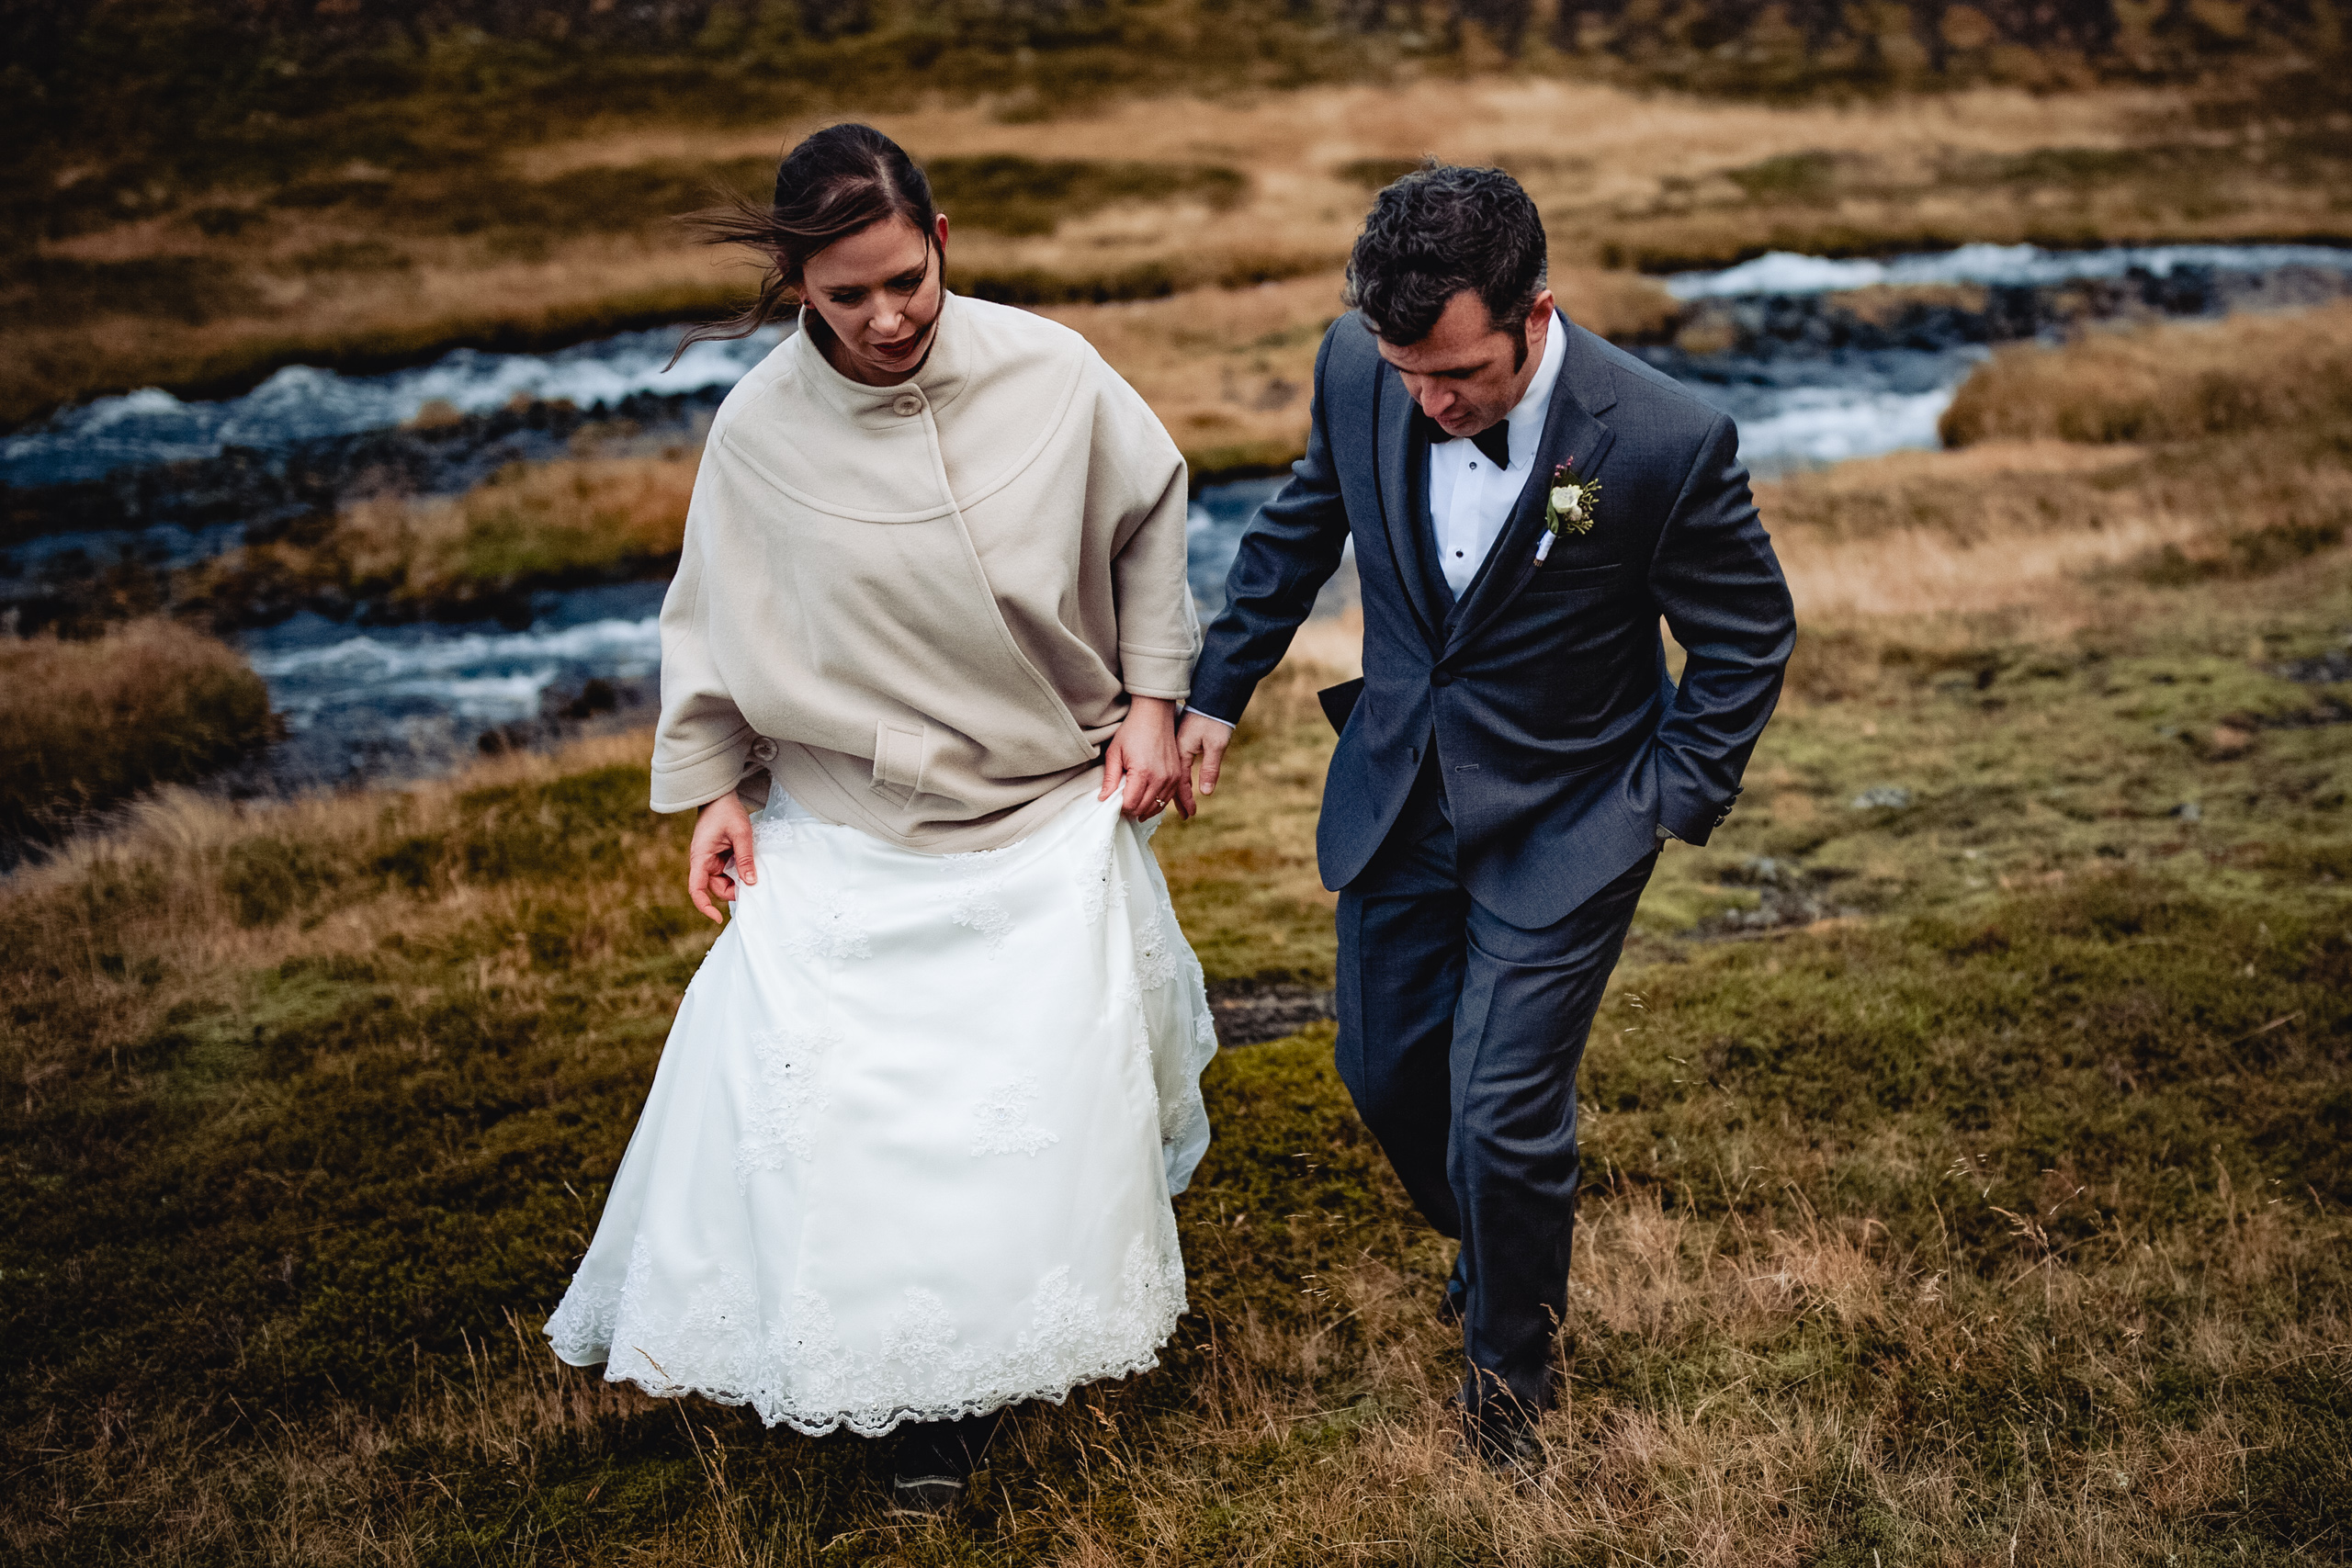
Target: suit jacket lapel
x=1571, y=433
x=1399, y=498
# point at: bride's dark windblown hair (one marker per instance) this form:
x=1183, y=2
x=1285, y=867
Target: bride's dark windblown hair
x=835, y=183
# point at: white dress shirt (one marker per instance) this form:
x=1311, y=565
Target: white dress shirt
x=1470, y=498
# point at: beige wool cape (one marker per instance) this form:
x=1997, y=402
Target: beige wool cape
x=923, y=607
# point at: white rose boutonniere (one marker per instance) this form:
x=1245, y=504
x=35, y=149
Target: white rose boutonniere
x=1569, y=507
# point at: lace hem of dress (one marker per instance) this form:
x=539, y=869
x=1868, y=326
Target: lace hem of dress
x=866, y=1424
x=711, y=1343
x=578, y=1342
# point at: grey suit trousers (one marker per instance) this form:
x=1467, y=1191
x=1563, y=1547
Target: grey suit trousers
x=1460, y=1036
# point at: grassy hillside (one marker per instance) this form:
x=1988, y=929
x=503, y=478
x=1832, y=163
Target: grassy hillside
x=2012, y=1210
x=200, y=194
x=1967, y=1130
x=531, y=245
x=120, y=104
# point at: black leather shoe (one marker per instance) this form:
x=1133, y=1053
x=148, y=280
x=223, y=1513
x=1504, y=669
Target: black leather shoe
x=924, y=1497
x=1504, y=1441
x=936, y=1458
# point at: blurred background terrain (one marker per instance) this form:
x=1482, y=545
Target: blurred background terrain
x=1966, y=1125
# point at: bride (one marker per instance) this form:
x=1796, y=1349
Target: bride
x=909, y=1151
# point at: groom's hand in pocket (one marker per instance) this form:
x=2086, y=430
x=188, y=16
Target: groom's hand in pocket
x=720, y=855
x=1201, y=740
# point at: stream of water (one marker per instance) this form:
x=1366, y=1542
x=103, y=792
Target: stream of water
x=1809, y=379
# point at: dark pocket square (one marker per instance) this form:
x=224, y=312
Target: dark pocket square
x=1573, y=579
x=1341, y=701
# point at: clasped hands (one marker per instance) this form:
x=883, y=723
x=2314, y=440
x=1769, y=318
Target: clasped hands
x=1149, y=761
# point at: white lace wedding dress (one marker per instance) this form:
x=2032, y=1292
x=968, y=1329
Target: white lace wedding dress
x=909, y=1151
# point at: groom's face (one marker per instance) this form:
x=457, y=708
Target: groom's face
x=1466, y=374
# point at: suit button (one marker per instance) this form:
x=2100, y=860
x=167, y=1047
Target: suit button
x=1440, y=678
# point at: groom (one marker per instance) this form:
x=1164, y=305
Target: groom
x=1515, y=753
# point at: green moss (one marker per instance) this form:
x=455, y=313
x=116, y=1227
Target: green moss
x=1801, y=178
x=1242, y=872
x=1008, y=194
x=1291, y=1183
x=2072, y=1099
x=1240, y=460
x=266, y=878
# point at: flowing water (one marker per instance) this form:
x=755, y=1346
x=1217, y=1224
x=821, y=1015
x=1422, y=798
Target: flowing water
x=1810, y=375
x=393, y=701
x=148, y=428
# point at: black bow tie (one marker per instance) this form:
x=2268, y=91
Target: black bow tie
x=1494, y=441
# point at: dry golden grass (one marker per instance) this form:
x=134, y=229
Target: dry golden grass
x=1228, y=371
x=2068, y=532
x=196, y=917
x=1621, y=177
x=2168, y=381
x=2049, y=512
x=579, y=520
x=586, y=516
x=1608, y=166
x=190, y=829
x=1734, y=1476
x=86, y=724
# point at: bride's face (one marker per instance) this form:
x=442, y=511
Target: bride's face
x=878, y=290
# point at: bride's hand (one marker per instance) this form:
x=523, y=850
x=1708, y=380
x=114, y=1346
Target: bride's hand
x=1142, y=760
x=724, y=828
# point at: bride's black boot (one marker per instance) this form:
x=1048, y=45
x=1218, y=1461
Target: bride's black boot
x=936, y=1458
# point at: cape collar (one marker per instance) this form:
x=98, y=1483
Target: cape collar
x=939, y=380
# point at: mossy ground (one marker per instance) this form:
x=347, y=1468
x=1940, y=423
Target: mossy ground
x=1966, y=1128
x=2005, y=1204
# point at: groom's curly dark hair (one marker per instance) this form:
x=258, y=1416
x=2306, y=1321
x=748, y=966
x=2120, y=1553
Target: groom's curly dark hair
x=1438, y=230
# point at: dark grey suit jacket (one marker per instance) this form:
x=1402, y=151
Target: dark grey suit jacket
x=1563, y=743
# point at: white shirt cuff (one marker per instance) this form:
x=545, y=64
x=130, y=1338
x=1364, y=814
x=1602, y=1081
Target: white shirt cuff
x=1227, y=722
